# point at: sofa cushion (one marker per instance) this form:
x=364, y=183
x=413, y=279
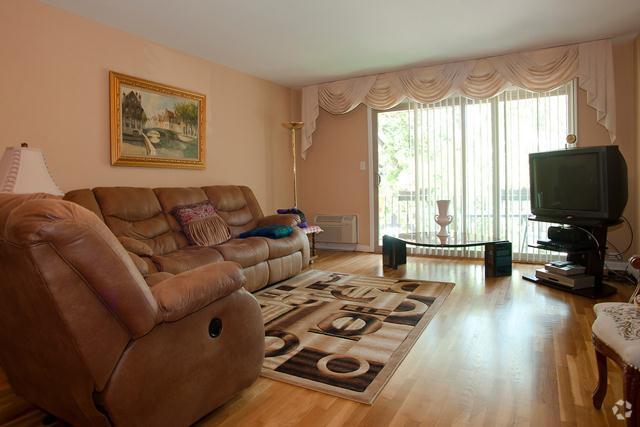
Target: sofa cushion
x=85, y=198
x=257, y=276
x=11, y=201
x=142, y=266
x=138, y=247
x=286, y=245
x=155, y=278
x=74, y=237
x=181, y=295
x=284, y=267
x=136, y=213
x=170, y=198
x=186, y=259
x=280, y=219
x=236, y=205
x=246, y=252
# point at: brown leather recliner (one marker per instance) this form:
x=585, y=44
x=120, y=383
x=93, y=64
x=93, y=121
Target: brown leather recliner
x=83, y=336
x=144, y=215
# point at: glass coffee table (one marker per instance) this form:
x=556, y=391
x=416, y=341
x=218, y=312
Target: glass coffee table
x=497, y=253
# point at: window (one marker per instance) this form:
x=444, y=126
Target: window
x=474, y=153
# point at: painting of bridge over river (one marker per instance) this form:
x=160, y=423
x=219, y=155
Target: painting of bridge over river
x=155, y=124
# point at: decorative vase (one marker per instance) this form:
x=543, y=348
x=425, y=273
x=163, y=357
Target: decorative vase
x=443, y=219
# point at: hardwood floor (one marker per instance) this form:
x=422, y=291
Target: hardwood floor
x=500, y=351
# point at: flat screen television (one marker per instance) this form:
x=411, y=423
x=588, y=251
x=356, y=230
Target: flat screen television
x=580, y=183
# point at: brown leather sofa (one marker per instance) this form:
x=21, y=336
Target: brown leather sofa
x=83, y=336
x=144, y=214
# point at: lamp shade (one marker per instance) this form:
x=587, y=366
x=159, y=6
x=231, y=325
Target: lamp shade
x=24, y=170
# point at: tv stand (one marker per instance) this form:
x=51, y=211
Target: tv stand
x=592, y=258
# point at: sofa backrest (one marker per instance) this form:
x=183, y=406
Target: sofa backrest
x=86, y=199
x=61, y=234
x=237, y=205
x=169, y=199
x=136, y=213
x=145, y=214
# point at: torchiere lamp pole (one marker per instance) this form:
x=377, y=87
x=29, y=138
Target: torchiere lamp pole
x=292, y=126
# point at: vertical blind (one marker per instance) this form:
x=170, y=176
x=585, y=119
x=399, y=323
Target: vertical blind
x=474, y=153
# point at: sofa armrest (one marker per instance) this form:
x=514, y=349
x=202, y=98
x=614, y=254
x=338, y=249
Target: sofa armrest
x=142, y=266
x=180, y=295
x=280, y=219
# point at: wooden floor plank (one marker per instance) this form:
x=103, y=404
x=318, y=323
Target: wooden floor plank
x=500, y=351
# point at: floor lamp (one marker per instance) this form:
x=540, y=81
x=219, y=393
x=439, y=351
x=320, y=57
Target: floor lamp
x=293, y=126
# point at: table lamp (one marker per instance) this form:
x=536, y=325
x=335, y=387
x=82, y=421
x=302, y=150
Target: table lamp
x=24, y=170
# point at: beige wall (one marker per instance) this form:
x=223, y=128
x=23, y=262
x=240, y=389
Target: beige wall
x=332, y=183
x=54, y=95
x=591, y=133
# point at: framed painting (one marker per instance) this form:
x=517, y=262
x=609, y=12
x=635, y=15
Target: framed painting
x=155, y=125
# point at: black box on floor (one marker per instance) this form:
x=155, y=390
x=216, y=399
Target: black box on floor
x=497, y=259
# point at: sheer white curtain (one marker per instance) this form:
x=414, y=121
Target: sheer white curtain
x=475, y=153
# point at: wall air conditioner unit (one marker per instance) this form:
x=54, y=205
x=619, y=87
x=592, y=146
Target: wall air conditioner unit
x=340, y=231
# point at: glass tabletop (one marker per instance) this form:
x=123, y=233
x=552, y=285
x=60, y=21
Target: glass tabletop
x=454, y=240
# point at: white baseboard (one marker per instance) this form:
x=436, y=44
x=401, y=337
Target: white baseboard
x=343, y=247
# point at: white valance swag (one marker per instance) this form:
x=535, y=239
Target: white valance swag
x=538, y=71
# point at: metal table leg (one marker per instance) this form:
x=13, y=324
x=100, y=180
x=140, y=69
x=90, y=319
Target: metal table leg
x=313, y=248
x=394, y=252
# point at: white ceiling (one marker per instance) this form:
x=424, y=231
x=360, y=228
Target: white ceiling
x=298, y=42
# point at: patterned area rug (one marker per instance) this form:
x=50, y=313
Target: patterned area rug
x=343, y=334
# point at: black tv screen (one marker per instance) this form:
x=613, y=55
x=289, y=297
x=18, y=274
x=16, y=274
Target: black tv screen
x=579, y=183
x=568, y=182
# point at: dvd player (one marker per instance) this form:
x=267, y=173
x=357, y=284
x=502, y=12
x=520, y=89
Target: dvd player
x=579, y=281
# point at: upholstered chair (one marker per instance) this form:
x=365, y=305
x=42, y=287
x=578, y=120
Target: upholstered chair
x=616, y=336
x=85, y=338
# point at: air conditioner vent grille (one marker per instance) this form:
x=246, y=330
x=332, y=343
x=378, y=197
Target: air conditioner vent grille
x=337, y=228
x=329, y=218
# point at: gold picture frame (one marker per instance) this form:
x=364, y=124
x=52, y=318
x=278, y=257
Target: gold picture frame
x=155, y=125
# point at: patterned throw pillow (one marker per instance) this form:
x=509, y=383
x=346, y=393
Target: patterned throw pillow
x=201, y=224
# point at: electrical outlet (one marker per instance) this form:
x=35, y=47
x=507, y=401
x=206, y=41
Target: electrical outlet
x=363, y=165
